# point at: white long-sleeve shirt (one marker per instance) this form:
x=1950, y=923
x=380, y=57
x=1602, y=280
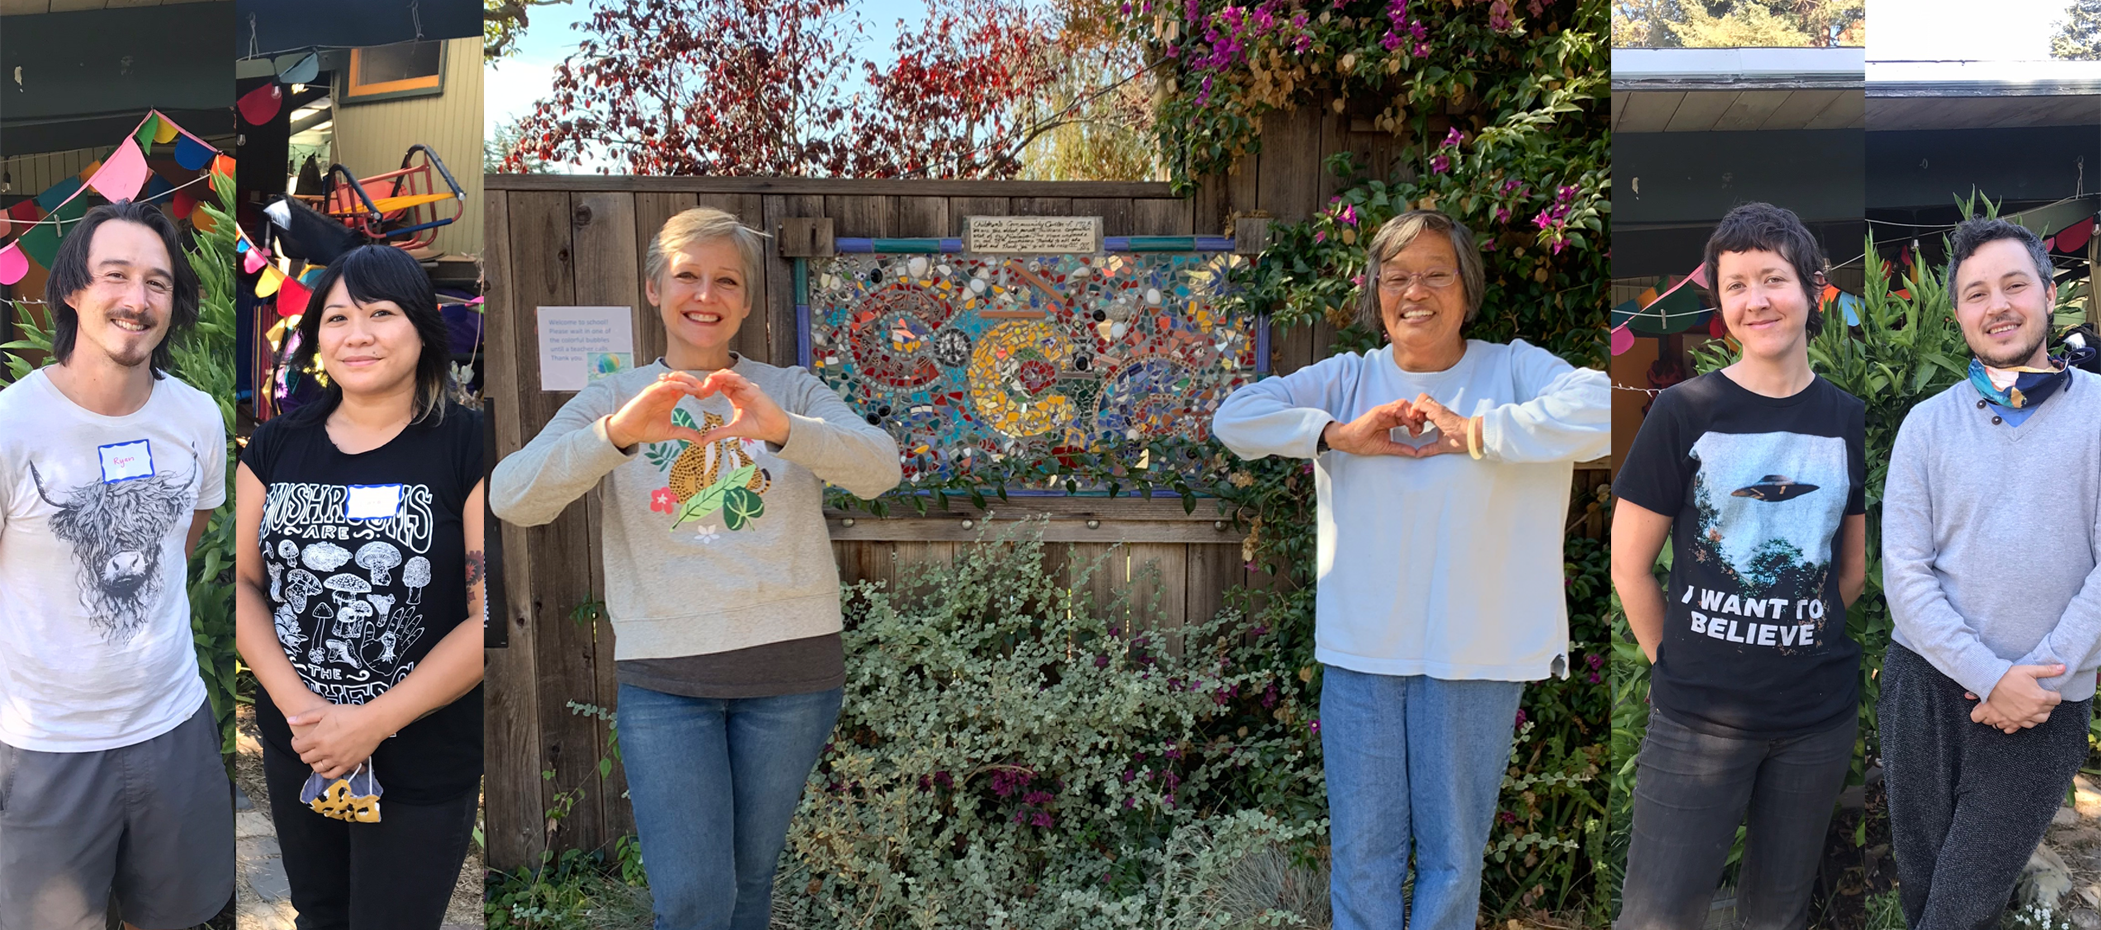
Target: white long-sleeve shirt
x=1443, y=566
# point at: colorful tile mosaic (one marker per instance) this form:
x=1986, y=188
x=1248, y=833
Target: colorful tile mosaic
x=973, y=360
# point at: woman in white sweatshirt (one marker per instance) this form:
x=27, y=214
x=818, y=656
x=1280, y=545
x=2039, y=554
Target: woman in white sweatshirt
x=1442, y=469
x=720, y=582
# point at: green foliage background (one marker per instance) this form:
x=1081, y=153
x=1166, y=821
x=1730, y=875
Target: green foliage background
x=203, y=358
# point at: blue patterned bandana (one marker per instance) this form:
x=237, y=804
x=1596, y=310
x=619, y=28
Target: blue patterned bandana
x=2027, y=388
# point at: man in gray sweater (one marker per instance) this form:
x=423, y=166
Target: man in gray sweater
x=1991, y=535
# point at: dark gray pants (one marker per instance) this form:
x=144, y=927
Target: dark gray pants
x=1967, y=802
x=150, y=824
x=1692, y=791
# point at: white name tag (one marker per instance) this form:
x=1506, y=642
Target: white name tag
x=373, y=502
x=123, y=461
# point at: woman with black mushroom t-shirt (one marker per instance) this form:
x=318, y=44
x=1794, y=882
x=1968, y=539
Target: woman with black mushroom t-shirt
x=359, y=601
x=1756, y=475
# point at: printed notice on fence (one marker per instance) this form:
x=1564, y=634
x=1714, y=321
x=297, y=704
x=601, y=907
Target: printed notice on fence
x=574, y=341
x=1033, y=235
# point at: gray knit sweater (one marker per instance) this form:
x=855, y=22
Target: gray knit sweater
x=1991, y=538
x=714, y=548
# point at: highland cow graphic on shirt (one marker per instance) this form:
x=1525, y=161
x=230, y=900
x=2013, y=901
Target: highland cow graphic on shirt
x=1758, y=489
x=118, y=530
x=1767, y=505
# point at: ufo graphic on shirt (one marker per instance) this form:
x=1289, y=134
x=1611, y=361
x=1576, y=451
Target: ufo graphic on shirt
x=1774, y=488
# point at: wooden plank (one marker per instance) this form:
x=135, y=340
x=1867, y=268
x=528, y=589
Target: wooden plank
x=881, y=187
x=1647, y=111
x=1242, y=193
x=1750, y=110
x=1290, y=348
x=511, y=800
x=960, y=208
x=1156, y=217
x=929, y=529
x=1844, y=110
x=1207, y=207
x=651, y=210
x=1095, y=570
x=1128, y=507
x=1211, y=571
x=1114, y=211
x=544, y=260
x=1800, y=107
x=605, y=230
x=1043, y=206
x=1699, y=110
x=780, y=278
x=923, y=218
x=861, y=216
x=749, y=209
x=1156, y=577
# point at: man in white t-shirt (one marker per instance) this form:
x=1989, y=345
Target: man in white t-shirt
x=111, y=786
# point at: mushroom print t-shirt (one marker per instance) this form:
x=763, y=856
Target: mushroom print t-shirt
x=1754, y=635
x=366, y=569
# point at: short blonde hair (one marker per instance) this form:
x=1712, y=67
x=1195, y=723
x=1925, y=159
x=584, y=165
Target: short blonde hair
x=1398, y=234
x=703, y=224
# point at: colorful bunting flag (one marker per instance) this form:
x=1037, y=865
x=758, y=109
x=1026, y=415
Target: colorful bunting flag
x=13, y=264
x=123, y=174
x=292, y=298
x=259, y=105
x=191, y=153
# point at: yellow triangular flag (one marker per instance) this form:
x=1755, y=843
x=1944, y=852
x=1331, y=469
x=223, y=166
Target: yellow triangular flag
x=163, y=131
x=269, y=282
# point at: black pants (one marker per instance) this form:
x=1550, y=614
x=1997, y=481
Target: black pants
x=1967, y=802
x=1693, y=789
x=397, y=874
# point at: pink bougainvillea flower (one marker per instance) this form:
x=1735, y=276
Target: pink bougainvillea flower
x=1454, y=136
x=1499, y=15
x=1390, y=41
x=1349, y=214
x=1502, y=214
x=1440, y=165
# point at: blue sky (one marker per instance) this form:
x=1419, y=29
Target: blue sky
x=512, y=85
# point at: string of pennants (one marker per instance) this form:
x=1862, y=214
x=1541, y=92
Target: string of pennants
x=1679, y=308
x=39, y=224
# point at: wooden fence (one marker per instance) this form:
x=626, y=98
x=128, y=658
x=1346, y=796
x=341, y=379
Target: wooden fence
x=577, y=240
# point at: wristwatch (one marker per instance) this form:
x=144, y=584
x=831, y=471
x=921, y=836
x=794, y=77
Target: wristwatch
x=1320, y=445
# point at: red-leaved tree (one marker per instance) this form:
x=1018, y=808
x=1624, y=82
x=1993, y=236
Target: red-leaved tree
x=759, y=87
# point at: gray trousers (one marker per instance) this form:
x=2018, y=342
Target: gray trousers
x=1692, y=791
x=150, y=825
x=1967, y=802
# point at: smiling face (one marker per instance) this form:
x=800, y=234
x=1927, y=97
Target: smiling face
x=1422, y=298
x=2004, y=306
x=1764, y=303
x=367, y=348
x=703, y=298
x=125, y=308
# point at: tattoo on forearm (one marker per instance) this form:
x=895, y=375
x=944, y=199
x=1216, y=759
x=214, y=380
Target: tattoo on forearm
x=476, y=570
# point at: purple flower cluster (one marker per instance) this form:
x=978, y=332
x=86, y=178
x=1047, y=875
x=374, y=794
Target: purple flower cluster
x=1554, y=219
x=1005, y=781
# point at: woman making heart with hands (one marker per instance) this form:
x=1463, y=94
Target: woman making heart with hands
x=1440, y=585
x=720, y=581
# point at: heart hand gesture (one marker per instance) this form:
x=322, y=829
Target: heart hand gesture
x=756, y=415
x=647, y=416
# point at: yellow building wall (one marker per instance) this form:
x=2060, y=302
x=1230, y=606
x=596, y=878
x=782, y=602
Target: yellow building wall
x=370, y=138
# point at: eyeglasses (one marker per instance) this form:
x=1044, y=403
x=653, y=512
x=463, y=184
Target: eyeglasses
x=1394, y=282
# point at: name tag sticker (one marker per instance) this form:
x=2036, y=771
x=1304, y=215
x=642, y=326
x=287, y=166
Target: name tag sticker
x=123, y=461
x=373, y=502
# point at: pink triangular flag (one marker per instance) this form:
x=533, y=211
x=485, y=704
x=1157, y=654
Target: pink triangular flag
x=1622, y=340
x=13, y=264
x=254, y=261
x=122, y=174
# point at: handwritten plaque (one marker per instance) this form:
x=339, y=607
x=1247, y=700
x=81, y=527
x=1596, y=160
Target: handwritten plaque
x=1033, y=235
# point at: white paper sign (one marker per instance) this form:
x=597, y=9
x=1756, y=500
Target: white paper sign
x=1033, y=235
x=571, y=336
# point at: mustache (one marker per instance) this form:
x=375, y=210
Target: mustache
x=142, y=319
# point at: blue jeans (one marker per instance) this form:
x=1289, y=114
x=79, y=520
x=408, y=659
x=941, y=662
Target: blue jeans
x=1411, y=758
x=715, y=782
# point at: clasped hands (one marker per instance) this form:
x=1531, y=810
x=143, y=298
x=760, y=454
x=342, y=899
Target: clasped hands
x=336, y=738
x=2019, y=700
x=647, y=416
x=1369, y=434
